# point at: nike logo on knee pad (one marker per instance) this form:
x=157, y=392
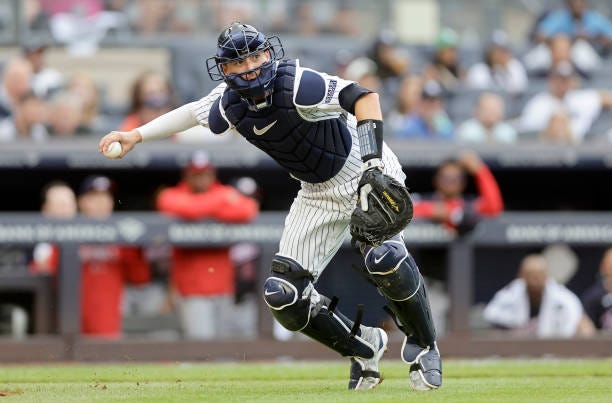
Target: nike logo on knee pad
x=378, y=260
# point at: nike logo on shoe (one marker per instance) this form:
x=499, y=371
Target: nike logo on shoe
x=261, y=131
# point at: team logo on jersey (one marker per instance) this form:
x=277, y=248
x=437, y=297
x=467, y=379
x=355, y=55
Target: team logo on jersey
x=331, y=88
x=261, y=131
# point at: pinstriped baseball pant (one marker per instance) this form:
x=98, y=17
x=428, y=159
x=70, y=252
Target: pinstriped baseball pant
x=318, y=220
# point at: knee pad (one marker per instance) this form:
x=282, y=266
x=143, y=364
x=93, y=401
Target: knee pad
x=393, y=269
x=287, y=293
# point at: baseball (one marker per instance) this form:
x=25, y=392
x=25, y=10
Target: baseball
x=114, y=150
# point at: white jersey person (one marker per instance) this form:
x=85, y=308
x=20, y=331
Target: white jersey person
x=327, y=132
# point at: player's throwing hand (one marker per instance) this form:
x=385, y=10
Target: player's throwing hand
x=127, y=139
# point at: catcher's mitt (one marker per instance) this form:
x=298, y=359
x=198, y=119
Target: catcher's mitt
x=384, y=208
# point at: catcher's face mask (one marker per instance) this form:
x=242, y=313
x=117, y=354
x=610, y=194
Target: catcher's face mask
x=246, y=60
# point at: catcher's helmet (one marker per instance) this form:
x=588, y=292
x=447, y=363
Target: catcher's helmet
x=240, y=41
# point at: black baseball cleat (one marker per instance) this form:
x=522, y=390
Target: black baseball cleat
x=425, y=365
x=364, y=371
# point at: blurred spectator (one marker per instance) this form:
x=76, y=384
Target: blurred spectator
x=559, y=129
x=449, y=205
x=561, y=52
x=85, y=88
x=58, y=202
x=582, y=105
x=226, y=11
x=535, y=304
x=65, y=116
x=487, y=125
x=344, y=20
x=581, y=24
x=429, y=121
x=597, y=299
x=45, y=80
x=500, y=70
x=157, y=16
x=27, y=121
x=204, y=277
x=589, y=33
x=82, y=7
x=81, y=24
x=389, y=61
x=305, y=19
x=445, y=67
x=151, y=96
x=105, y=268
x=245, y=258
x=407, y=100
x=16, y=79
x=36, y=18
x=363, y=71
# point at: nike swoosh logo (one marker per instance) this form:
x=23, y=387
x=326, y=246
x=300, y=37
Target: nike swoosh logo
x=261, y=131
x=270, y=293
x=377, y=261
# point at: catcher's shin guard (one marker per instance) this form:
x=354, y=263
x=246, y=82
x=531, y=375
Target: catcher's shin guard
x=297, y=306
x=396, y=274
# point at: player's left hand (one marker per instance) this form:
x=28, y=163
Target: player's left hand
x=127, y=139
x=384, y=208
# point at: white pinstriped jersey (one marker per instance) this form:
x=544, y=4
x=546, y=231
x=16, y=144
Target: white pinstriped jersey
x=318, y=220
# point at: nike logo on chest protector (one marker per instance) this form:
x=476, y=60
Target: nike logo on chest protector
x=261, y=131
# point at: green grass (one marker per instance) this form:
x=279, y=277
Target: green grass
x=287, y=382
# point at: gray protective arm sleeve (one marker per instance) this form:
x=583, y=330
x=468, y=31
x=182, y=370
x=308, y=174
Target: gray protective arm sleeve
x=173, y=122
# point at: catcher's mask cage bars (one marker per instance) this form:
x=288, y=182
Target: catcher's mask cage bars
x=272, y=44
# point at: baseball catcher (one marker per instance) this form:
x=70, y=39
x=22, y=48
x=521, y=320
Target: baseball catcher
x=327, y=132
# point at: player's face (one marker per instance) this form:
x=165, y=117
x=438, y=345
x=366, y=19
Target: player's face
x=559, y=86
x=450, y=181
x=200, y=182
x=606, y=264
x=248, y=64
x=60, y=203
x=96, y=204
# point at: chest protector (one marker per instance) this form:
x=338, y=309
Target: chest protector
x=311, y=151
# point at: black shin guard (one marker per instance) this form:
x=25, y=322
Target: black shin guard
x=337, y=332
x=298, y=307
x=413, y=317
x=396, y=274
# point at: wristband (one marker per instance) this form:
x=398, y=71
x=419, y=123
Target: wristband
x=370, y=138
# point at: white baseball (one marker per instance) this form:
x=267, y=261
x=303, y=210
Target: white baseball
x=114, y=150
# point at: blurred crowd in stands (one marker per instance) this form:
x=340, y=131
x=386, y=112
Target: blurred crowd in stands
x=554, y=87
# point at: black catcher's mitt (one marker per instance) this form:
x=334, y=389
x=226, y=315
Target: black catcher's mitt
x=384, y=208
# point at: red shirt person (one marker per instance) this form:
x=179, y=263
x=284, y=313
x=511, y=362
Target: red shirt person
x=204, y=277
x=450, y=206
x=105, y=268
x=58, y=202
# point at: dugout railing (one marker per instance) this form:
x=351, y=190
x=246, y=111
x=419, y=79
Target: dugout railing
x=511, y=230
